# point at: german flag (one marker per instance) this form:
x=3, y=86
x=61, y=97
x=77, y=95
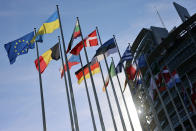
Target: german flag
x=52, y=54
x=94, y=69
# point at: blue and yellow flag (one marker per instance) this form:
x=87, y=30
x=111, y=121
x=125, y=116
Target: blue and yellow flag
x=19, y=47
x=48, y=27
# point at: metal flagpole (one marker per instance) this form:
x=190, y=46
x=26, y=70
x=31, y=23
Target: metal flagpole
x=88, y=96
x=154, y=112
x=69, y=76
x=110, y=106
x=156, y=117
x=190, y=84
x=164, y=108
x=41, y=89
x=124, y=100
x=145, y=125
x=150, y=102
x=66, y=87
x=113, y=89
x=92, y=82
x=188, y=115
x=175, y=108
x=124, y=70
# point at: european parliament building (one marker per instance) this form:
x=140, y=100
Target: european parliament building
x=176, y=49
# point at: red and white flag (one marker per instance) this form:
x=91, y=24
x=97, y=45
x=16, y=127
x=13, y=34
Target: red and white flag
x=168, y=79
x=90, y=40
x=175, y=76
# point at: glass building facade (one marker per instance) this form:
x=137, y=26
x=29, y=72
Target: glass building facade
x=176, y=50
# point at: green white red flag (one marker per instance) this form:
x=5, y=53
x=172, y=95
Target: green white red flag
x=76, y=33
x=112, y=72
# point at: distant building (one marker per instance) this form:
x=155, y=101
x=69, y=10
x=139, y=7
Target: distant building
x=177, y=50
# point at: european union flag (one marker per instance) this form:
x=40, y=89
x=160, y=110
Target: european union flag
x=19, y=47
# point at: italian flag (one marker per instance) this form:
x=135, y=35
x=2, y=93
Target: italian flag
x=112, y=72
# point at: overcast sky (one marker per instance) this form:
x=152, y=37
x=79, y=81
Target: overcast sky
x=20, y=107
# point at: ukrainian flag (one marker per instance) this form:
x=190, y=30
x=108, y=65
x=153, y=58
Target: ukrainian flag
x=48, y=27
